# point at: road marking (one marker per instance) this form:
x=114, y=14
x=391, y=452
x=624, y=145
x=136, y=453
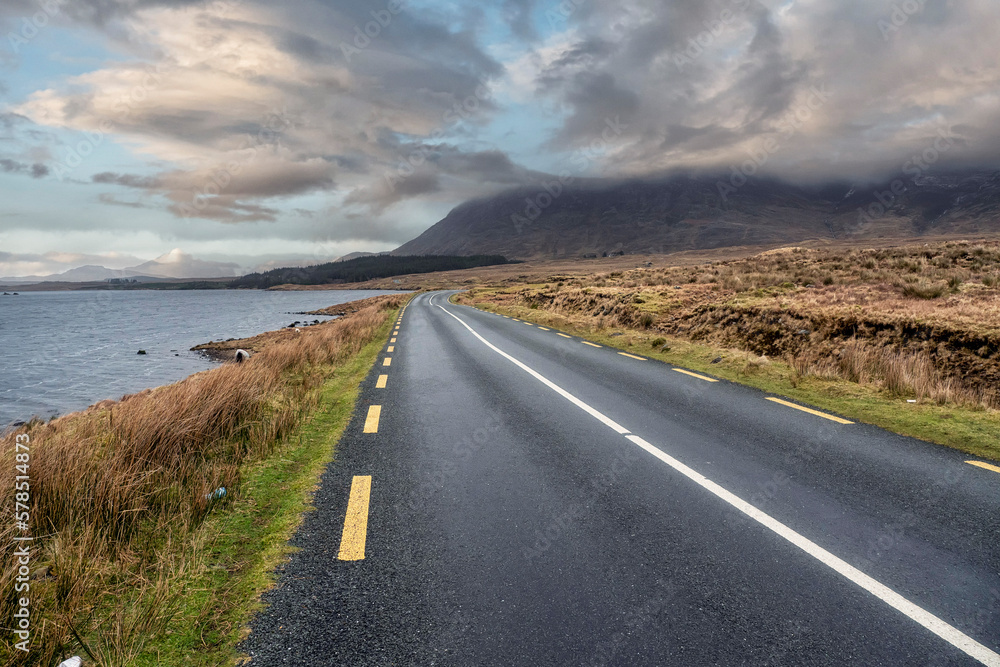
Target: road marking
x=947, y=632
x=352, y=543
x=387, y=361
x=371, y=421
x=810, y=411
x=390, y=349
x=392, y=340
x=987, y=466
x=587, y=342
x=695, y=375
x=631, y=356
x=563, y=335
x=382, y=379
x=528, y=323
x=543, y=328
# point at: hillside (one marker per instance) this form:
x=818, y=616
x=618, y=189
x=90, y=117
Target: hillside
x=361, y=269
x=693, y=213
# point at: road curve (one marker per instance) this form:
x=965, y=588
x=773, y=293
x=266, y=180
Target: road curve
x=507, y=494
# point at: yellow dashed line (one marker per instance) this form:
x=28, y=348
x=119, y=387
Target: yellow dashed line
x=986, y=466
x=528, y=323
x=810, y=411
x=352, y=543
x=695, y=375
x=587, y=342
x=371, y=421
x=631, y=356
x=382, y=379
x=543, y=328
x=563, y=335
x=392, y=340
x=387, y=361
x=391, y=348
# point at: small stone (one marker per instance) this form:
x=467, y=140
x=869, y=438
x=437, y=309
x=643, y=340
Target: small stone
x=716, y=360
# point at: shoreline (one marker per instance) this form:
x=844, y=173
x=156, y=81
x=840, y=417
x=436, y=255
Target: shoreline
x=216, y=352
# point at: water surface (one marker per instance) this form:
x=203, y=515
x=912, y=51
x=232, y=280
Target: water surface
x=63, y=351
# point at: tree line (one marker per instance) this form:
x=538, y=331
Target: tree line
x=361, y=269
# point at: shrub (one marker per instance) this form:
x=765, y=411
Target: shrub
x=921, y=290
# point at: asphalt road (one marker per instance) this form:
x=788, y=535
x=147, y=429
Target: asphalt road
x=536, y=500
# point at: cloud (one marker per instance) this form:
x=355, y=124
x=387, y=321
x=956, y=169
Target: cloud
x=705, y=84
x=245, y=112
x=36, y=170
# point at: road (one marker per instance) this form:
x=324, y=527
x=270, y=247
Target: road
x=507, y=494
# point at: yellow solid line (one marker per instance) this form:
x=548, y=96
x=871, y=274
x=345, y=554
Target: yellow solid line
x=563, y=335
x=987, y=466
x=392, y=340
x=382, y=379
x=371, y=421
x=390, y=349
x=631, y=356
x=587, y=342
x=352, y=543
x=695, y=375
x=387, y=361
x=810, y=411
x=543, y=328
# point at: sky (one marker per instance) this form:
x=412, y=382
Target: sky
x=267, y=133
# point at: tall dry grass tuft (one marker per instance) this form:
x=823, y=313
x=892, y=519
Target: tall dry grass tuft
x=114, y=486
x=902, y=373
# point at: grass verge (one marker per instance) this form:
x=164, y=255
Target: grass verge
x=971, y=430
x=132, y=560
x=247, y=541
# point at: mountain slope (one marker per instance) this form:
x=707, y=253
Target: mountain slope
x=687, y=213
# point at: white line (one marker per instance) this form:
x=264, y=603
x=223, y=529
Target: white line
x=947, y=632
x=548, y=383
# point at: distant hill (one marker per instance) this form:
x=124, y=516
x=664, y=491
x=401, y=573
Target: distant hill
x=177, y=264
x=173, y=265
x=705, y=212
x=361, y=269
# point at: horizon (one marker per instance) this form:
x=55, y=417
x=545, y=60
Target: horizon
x=246, y=134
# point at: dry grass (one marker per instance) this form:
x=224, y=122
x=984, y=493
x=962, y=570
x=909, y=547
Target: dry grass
x=116, y=490
x=918, y=321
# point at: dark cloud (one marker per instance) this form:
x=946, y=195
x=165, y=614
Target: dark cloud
x=127, y=180
x=255, y=102
x=35, y=170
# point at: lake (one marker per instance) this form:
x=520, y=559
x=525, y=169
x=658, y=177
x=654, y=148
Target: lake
x=63, y=351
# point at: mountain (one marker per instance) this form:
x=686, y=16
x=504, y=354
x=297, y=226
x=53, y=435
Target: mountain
x=705, y=212
x=169, y=266
x=177, y=264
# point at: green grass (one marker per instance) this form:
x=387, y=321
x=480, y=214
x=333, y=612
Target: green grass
x=247, y=536
x=969, y=430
